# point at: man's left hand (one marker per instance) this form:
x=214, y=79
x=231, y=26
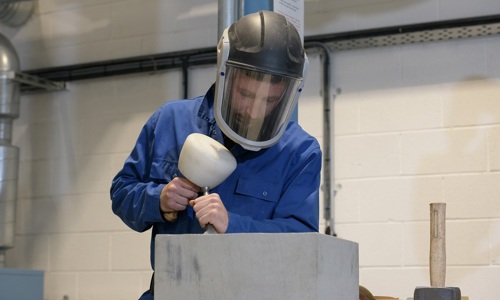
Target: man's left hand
x=210, y=210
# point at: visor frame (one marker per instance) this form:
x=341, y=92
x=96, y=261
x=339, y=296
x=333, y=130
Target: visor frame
x=222, y=63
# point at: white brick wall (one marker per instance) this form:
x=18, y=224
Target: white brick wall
x=412, y=125
x=397, y=150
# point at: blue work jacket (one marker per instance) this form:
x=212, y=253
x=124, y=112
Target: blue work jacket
x=272, y=190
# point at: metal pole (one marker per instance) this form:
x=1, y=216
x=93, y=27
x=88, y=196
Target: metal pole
x=227, y=15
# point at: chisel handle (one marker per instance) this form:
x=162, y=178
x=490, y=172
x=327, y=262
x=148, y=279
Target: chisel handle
x=437, y=256
x=210, y=229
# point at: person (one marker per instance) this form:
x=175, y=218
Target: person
x=261, y=65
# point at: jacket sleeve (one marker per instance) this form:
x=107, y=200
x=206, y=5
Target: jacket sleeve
x=298, y=207
x=135, y=198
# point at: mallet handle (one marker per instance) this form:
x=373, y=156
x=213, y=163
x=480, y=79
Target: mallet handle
x=170, y=216
x=437, y=257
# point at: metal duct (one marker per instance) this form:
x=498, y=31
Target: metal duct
x=228, y=13
x=9, y=154
x=16, y=12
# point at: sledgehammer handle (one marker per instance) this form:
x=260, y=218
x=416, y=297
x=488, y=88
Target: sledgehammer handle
x=437, y=257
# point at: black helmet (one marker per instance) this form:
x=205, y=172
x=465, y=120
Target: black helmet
x=266, y=41
x=261, y=69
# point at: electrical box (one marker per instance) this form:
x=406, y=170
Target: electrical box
x=21, y=284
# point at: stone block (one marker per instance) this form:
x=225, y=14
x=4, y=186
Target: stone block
x=256, y=266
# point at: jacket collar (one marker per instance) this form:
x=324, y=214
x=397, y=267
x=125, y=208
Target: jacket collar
x=206, y=111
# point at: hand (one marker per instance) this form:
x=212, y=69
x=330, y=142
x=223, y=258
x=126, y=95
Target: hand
x=175, y=196
x=210, y=210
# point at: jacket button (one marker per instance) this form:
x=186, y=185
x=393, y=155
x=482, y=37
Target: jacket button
x=264, y=193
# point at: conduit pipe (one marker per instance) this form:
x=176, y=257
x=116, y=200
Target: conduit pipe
x=327, y=140
x=9, y=154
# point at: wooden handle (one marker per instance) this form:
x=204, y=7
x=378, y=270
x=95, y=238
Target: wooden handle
x=170, y=216
x=437, y=257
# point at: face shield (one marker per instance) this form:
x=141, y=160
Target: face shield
x=255, y=107
x=261, y=67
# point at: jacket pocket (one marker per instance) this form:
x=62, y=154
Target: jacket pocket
x=259, y=188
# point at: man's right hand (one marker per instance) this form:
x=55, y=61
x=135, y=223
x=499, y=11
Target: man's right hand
x=175, y=196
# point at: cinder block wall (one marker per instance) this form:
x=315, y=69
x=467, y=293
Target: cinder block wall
x=412, y=125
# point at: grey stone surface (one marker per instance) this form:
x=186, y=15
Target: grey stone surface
x=256, y=266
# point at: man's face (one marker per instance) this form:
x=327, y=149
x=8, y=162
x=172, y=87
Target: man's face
x=253, y=99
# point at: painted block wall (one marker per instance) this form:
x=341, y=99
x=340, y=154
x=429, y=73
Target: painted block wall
x=412, y=125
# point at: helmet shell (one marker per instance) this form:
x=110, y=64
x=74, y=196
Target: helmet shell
x=267, y=42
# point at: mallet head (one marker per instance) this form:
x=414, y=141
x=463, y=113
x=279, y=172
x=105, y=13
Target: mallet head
x=437, y=293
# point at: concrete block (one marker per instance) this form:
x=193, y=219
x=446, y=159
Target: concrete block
x=415, y=251
x=480, y=189
x=367, y=156
x=444, y=151
x=408, y=198
x=385, y=237
x=82, y=252
x=494, y=232
x=30, y=252
x=494, y=149
x=202, y=37
x=455, y=9
x=57, y=285
x=394, y=13
x=345, y=113
x=256, y=266
x=81, y=26
x=96, y=285
x=409, y=108
x=493, y=56
x=471, y=103
x=347, y=201
x=444, y=61
x=321, y=20
x=123, y=259
x=468, y=243
x=367, y=69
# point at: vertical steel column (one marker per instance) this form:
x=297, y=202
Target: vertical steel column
x=227, y=15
